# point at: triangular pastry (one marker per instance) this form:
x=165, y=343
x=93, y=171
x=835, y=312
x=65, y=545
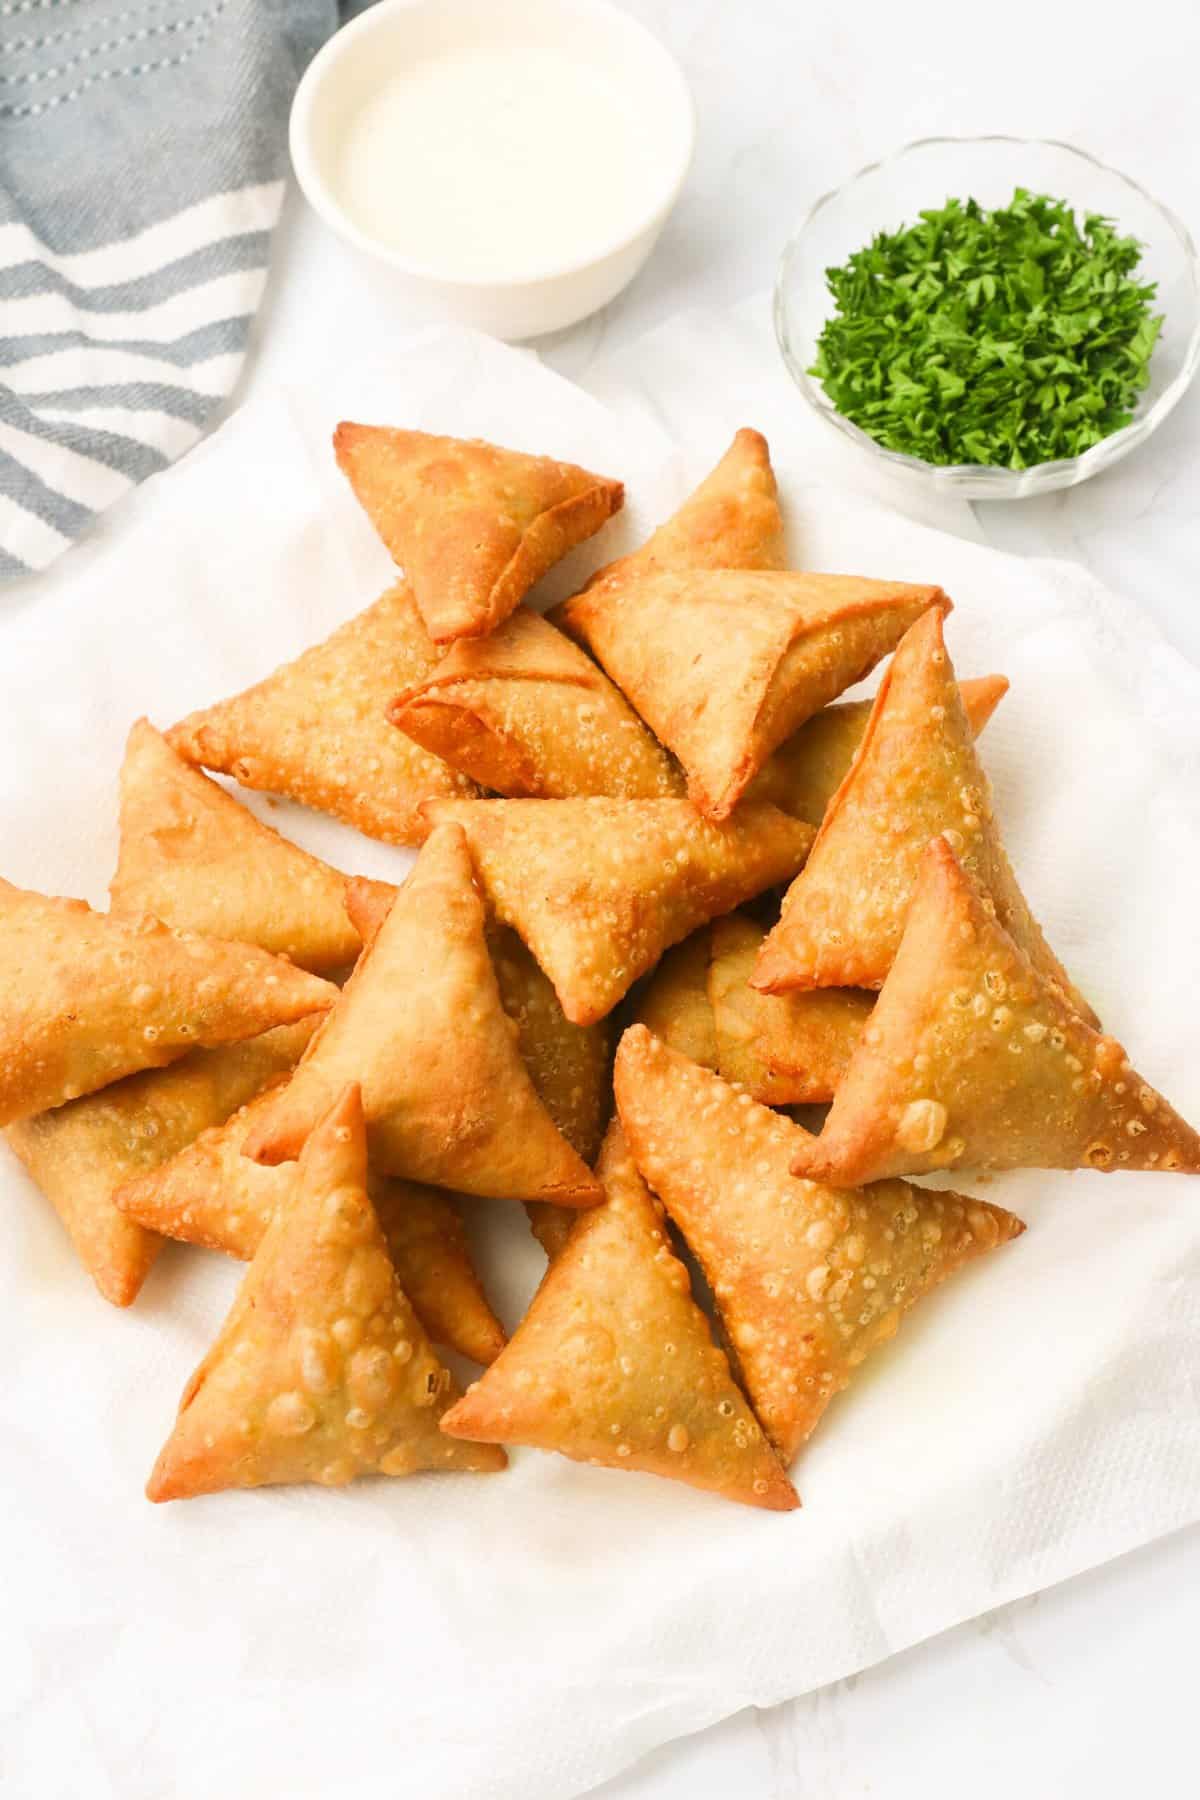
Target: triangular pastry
x=568, y=1064
x=321, y=1371
x=598, y=889
x=80, y=1154
x=808, y=1280
x=210, y=1194
x=807, y=770
x=86, y=997
x=317, y=731
x=973, y=1058
x=528, y=714
x=784, y=1049
x=420, y=1024
x=614, y=1363
x=724, y=664
x=675, y=1004
x=916, y=775
x=787, y=1049
x=731, y=521
x=192, y=856
x=472, y=525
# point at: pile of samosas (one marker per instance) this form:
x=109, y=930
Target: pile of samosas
x=606, y=798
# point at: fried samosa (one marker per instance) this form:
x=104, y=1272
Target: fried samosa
x=675, y=1005
x=192, y=856
x=973, y=1058
x=808, y=1280
x=568, y=1064
x=731, y=521
x=473, y=526
x=806, y=772
x=614, y=1363
x=916, y=774
x=321, y=1371
x=784, y=1049
x=82, y=1153
x=598, y=889
x=723, y=665
x=420, y=1024
x=86, y=998
x=527, y=713
x=212, y=1195
x=316, y=730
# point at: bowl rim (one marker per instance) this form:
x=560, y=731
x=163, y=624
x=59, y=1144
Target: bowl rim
x=317, y=191
x=1059, y=472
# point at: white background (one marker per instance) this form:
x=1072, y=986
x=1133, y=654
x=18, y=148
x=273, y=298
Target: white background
x=1085, y=1689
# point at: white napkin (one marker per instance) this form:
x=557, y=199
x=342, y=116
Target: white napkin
x=522, y=1637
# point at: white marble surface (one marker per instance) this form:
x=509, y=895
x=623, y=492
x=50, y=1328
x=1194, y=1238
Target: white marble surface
x=1080, y=1690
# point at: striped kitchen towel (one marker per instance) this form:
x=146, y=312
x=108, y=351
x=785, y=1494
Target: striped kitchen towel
x=142, y=158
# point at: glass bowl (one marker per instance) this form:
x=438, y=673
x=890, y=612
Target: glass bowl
x=891, y=193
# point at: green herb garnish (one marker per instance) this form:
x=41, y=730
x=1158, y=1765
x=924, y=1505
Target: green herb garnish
x=1009, y=337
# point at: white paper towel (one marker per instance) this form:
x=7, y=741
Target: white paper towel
x=522, y=1637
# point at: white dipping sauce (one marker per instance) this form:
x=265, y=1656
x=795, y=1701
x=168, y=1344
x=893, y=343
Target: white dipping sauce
x=496, y=162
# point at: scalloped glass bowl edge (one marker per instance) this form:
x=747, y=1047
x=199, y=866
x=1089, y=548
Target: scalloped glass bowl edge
x=875, y=199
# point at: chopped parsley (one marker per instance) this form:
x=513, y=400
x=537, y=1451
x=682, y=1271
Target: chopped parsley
x=1009, y=337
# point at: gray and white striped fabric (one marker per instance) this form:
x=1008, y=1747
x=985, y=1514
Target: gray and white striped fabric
x=142, y=159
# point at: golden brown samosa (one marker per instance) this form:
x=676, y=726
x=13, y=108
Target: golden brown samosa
x=428, y=1245
x=420, y=1024
x=808, y=1280
x=731, y=521
x=784, y=1049
x=614, y=1363
x=87, y=997
x=210, y=1194
x=807, y=770
x=598, y=889
x=321, y=1371
x=973, y=1058
x=723, y=664
x=527, y=713
x=675, y=1003
x=916, y=775
x=82, y=1153
x=316, y=730
x=472, y=525
x=192, y=856
x=568, y=1064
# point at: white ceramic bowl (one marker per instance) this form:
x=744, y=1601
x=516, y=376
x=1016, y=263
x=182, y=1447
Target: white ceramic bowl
x=350, y=70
